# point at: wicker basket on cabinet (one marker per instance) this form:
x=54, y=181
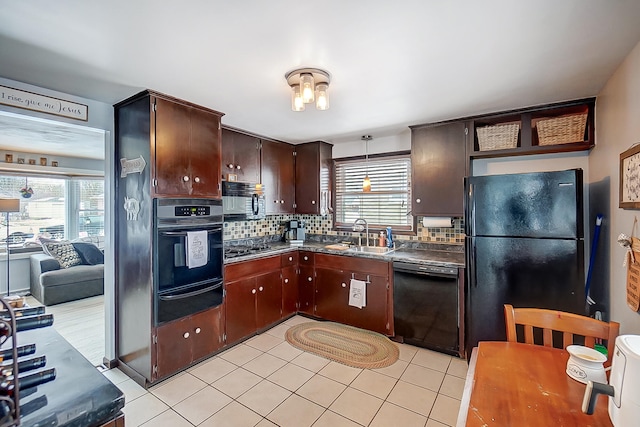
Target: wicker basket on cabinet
x=498, y=137
x=562, y=130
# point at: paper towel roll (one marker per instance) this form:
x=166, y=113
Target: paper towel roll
x=437, y=222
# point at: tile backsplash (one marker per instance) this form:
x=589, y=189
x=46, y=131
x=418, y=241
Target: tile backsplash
x=273, y=225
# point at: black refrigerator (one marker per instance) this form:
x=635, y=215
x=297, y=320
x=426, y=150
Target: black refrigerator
x=524, y=246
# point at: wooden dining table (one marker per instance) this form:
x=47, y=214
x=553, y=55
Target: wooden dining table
x=513, y=384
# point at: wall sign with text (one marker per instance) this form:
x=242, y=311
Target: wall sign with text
x=44, y=104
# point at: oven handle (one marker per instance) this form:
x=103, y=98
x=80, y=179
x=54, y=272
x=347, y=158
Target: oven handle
x=189, y=294
x=184, y=233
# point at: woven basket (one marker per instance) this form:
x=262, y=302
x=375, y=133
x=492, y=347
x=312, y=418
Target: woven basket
x=562, y=130
x=498, y=137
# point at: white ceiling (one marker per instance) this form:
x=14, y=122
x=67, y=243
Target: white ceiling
x=393, y=63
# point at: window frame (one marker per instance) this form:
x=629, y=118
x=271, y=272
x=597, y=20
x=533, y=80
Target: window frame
x=410, y=230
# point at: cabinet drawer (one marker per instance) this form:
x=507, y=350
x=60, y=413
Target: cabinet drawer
x=251, y=268
x=353, y=264
x=306, y=258
x=288, y=259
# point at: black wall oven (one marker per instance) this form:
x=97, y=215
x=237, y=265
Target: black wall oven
x=187, y=256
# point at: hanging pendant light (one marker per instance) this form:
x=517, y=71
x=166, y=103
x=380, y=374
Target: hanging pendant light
x=366, y=182
x=308, y=85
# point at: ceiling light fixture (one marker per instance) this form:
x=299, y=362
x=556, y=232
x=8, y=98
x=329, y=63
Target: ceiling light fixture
x=366, y=182
x=308, y=85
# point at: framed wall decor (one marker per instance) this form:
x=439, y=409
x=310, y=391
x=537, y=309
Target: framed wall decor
x=630, y=178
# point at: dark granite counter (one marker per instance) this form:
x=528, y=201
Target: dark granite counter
x=448, y=256
x=79, y=395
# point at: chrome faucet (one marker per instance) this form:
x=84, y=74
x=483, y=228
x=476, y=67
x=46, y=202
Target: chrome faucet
x=358, y=227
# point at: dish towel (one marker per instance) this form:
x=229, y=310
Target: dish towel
x=358, y=293
x=197, y=248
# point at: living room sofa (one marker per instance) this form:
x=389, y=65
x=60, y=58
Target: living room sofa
x=51, y=284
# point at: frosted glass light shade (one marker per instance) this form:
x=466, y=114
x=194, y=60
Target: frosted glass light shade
x=366, y=184
x=307, y=87
x=322, y=97
x=297, y=104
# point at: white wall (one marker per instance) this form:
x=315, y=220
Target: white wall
x=383, y=144
x=617, y=128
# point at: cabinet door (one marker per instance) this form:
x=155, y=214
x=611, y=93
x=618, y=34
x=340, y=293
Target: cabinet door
x=374, y=315
x=240, y=310
x=269, y=299
x=278, y=176
x=289, y=290
x=205, y=151
x=240, y=156
x=173, y=347
x=313, y=178
x=332, y=294
x=306, y=289
x=206, y=332
x=172, y=170
x=438, y=166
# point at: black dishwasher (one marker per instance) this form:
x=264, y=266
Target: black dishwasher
x=425, y=306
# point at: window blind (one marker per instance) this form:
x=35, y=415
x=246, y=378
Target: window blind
x=388, y=202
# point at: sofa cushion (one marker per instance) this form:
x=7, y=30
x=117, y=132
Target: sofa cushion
x=89, y=253
x=77, y=275
x=64, y=253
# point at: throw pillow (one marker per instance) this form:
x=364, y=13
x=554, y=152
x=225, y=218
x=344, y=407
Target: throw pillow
x=89, y=253
x=64, y=253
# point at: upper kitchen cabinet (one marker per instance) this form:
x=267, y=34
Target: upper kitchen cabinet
x=182, y=141
x=278, y=172
x=438, y=167
x=313, y=178
x=553, y=128
x=240, y=156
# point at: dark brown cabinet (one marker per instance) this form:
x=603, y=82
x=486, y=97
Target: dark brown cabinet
x=278, y=177
x=438, y=167
x=240, y=156
x=253, y=295
x=188, y=340
x=332, y=294
x=313, y=178
x=306, y=289
x=289, y=263
x=552, y=128
x=187, y=149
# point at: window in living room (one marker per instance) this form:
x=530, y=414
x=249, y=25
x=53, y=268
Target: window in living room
x=54, y=208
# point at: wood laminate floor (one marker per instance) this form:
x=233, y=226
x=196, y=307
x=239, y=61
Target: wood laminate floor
x=81, y=323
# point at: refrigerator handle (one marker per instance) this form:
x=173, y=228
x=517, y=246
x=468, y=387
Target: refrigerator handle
x=470, y=217
x=471, y=263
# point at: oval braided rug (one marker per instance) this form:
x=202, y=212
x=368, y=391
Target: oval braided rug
x=344, y=344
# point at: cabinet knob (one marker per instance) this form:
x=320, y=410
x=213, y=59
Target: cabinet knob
x=253, y=291
x=261, y=289
x=185, y=178
x=196, y=179
x=238, y=167
x=197, y=330
x=306, y=258
x=186, y=335
x=418, y=200
x=286, y=280
x=275, y=201
x=313, y=202
x=281, y=201
x=309, y=278
x=344, y=285
x=230, y=165
x=290, y=258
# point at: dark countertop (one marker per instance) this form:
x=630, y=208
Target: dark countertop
x=443, y=258
x=79, y=395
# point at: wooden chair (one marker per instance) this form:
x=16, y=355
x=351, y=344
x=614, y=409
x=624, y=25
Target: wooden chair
x=568, y=323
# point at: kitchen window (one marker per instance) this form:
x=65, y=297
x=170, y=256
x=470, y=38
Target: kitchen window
x=388, y=202
x=57, y=208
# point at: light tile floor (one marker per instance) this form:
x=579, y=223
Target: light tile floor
x=267, y=382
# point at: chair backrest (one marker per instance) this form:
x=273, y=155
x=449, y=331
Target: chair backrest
x=568, y=324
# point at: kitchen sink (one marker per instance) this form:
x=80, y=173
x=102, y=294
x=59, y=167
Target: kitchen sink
x=371, y=250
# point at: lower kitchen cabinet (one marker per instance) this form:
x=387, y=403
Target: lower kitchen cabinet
x=332, y=294
x=306, y=289
x=253, y=296
x=289, y=290
x=184, y=341
x=374, y=316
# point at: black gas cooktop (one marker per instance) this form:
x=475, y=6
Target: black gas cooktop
x=241, y=250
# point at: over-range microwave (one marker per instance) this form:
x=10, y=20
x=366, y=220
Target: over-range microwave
x=243, y=200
